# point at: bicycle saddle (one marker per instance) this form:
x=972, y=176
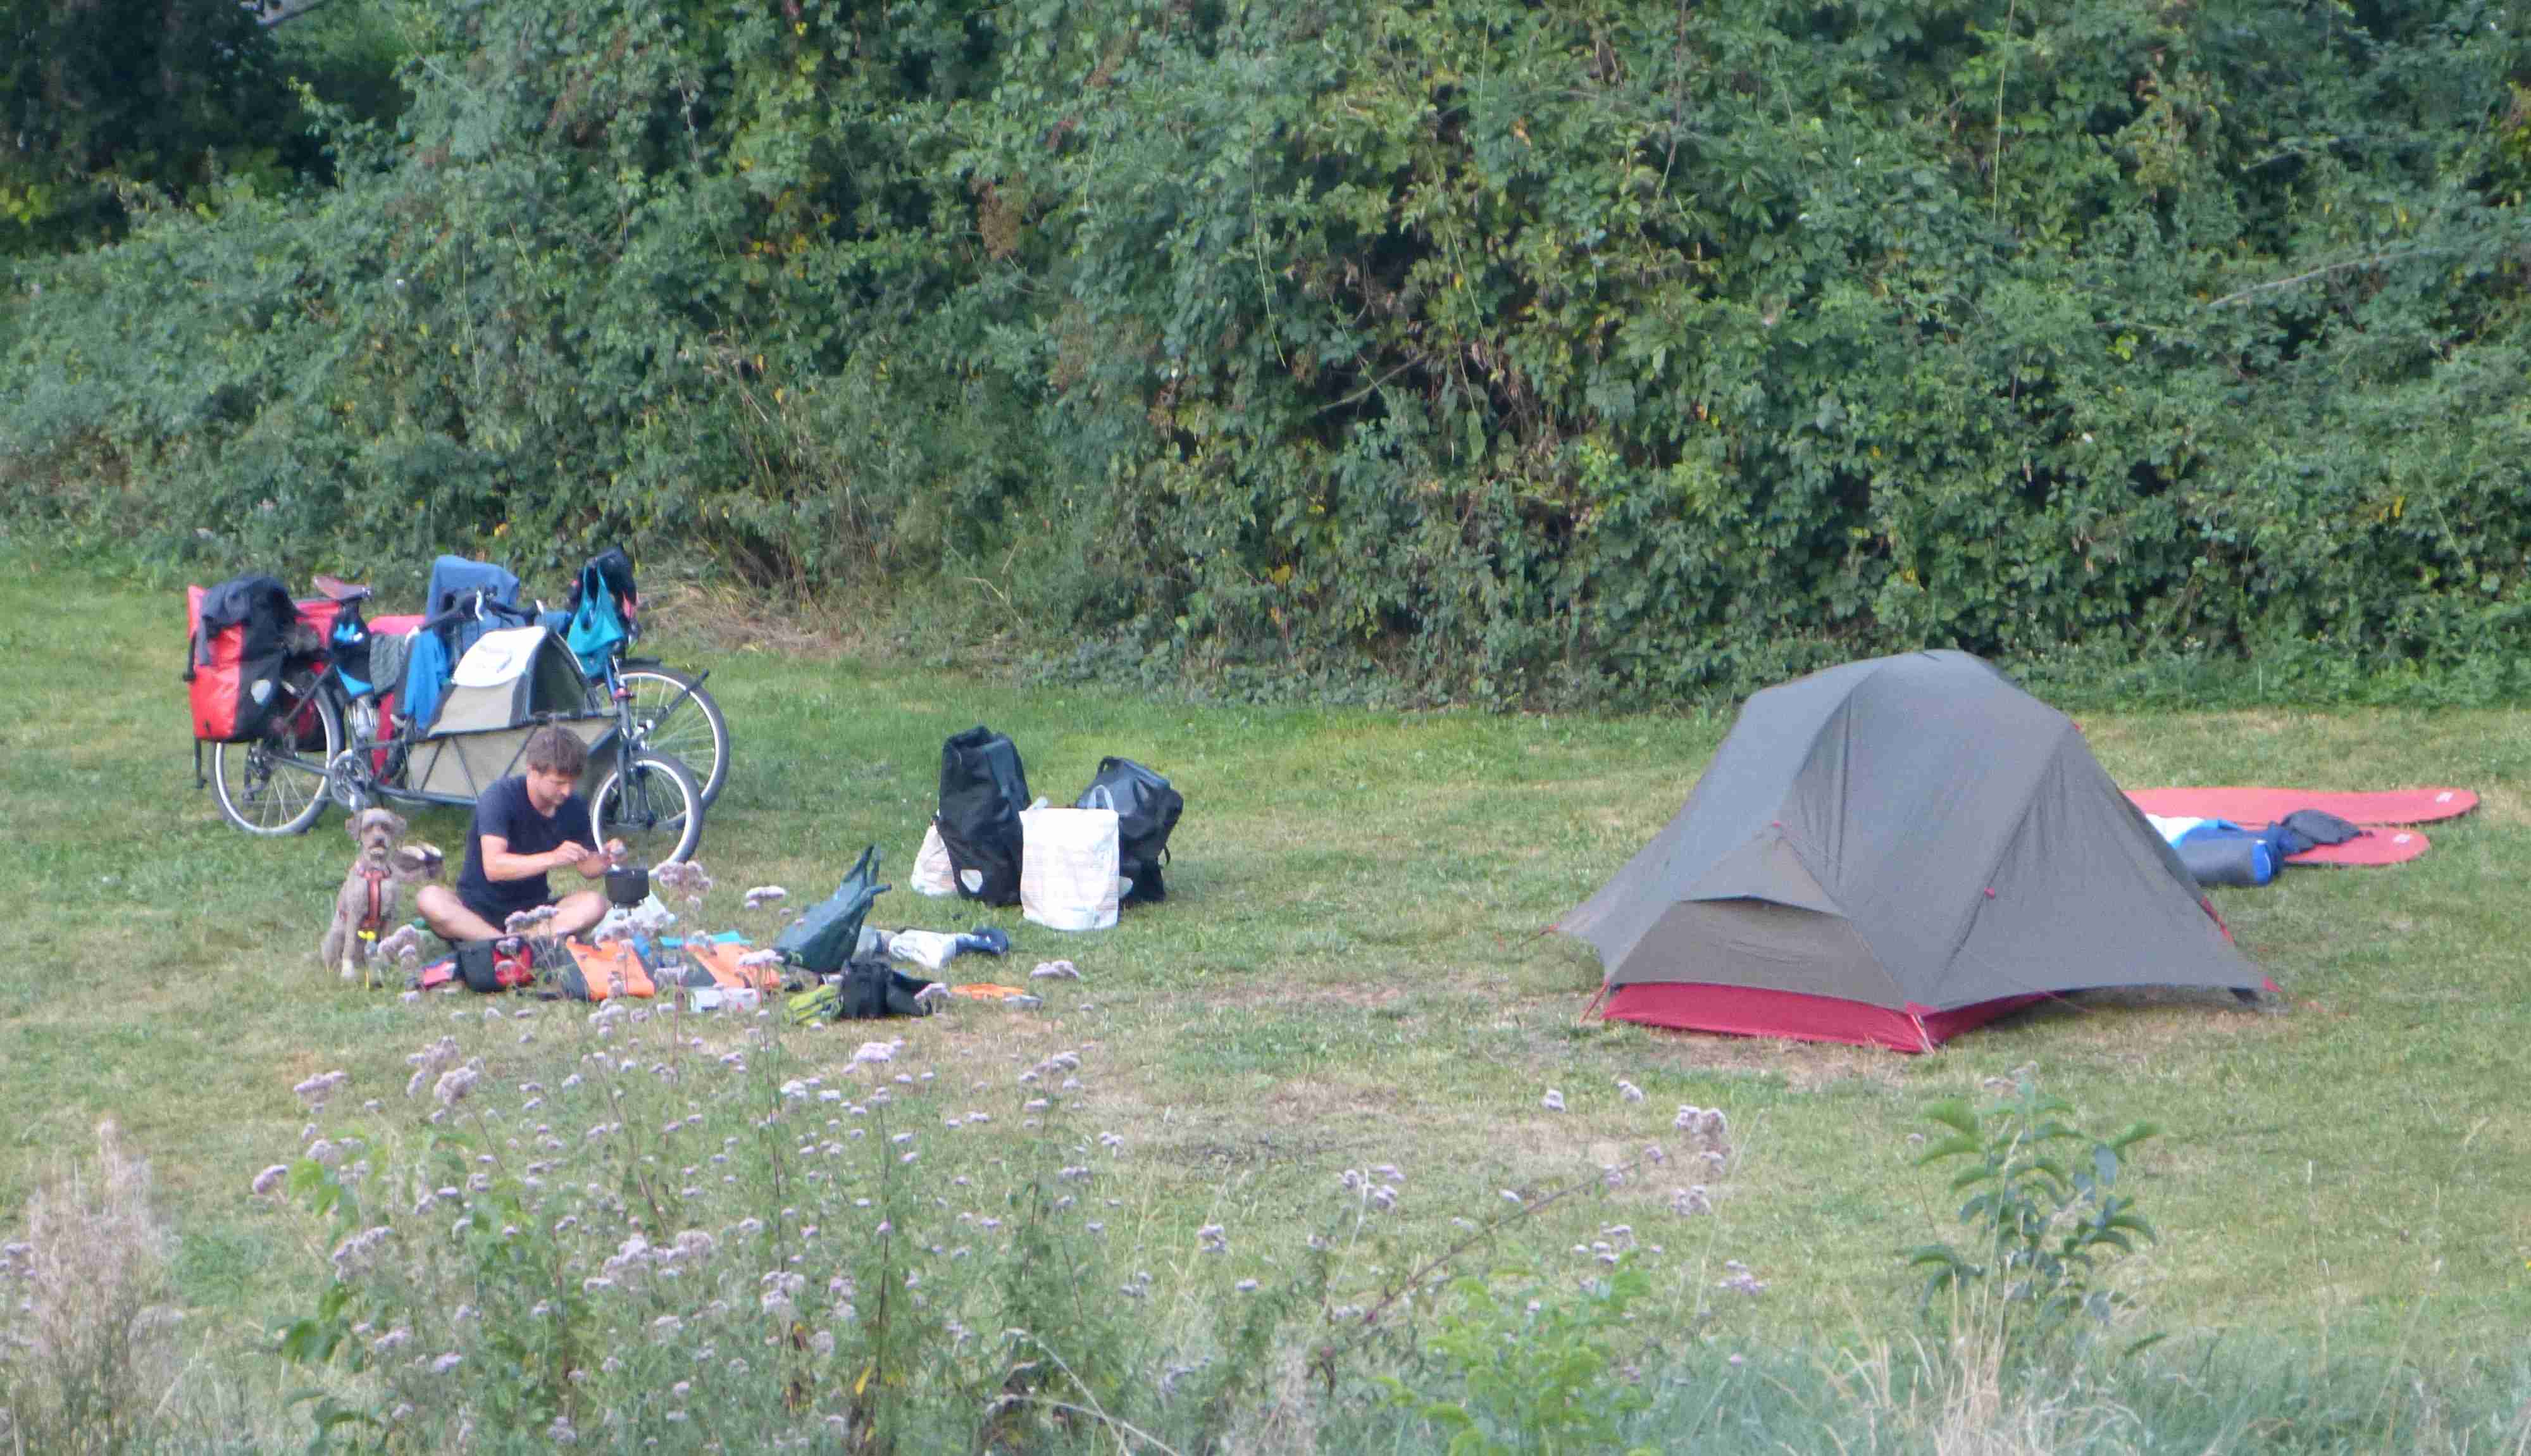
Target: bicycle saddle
x=335, y=589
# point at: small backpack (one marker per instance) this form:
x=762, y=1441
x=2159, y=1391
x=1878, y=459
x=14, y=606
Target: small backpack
x=237, y=649
x=983, y=789
x=1146, y=810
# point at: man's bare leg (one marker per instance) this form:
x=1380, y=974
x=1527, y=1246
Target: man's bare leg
x=575, y=913
x=448, y=917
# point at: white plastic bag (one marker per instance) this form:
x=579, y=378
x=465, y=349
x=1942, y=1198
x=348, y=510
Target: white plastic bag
x=931, y=869
x=1068, y=867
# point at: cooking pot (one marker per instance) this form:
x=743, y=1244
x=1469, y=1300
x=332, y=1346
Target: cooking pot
x=627, y=885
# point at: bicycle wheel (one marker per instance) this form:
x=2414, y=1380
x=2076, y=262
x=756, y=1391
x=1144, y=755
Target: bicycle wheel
x=674, y=716
x=652, y=804
x=276, y=784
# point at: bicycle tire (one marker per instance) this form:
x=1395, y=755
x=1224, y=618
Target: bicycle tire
x=692, y=731
x=258, y=783
x=643, y=815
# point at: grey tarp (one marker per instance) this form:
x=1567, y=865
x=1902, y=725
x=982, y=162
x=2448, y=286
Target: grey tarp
x=1879, y=851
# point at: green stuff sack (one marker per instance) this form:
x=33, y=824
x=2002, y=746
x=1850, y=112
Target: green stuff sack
x=822, y=940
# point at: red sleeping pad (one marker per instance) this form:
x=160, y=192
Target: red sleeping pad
x=2257, y=807
x=2375, y=810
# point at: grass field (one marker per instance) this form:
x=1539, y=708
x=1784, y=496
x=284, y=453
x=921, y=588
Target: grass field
x=1350, y=970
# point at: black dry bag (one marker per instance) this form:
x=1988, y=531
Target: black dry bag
x=1146, y=810
x=983, y=789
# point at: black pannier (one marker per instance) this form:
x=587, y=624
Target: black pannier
x=1146, y=810
x=983, y=789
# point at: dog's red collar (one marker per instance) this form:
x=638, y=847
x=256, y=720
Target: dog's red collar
x=374, y=921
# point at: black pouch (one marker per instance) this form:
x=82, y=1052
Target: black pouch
x=871, y=988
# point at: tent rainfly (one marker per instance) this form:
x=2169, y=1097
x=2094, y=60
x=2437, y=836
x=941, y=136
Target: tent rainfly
x=1890, y=852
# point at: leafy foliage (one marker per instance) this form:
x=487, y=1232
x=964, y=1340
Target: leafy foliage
x=1610, y=349
x=2042, y=1212
x=1536, y=1370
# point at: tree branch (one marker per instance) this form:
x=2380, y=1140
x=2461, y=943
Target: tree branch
x=2359, y=262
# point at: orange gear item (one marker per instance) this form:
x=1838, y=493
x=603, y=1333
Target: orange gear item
x=604, y=973
x=722, y=961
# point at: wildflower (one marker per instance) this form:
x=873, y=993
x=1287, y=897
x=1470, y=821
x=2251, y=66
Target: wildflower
x=325, y=1152
x=666, y=1326
x=759, y=896
x=1740, y=1280
x=1387, y=1173
x=1689, y=1201
x=446, y=1363
x=874, y=1051
x=1211, y=1239
x=269, y=1179
x=1112, y=1142
x=1630, y=1091
x=1614, y=1176
x=1246, y=1286
x=822, y=1343
x=454, y=1085
x=317, y=1089
x=1383, y=1197
x=1510, y=1196
x=1554, y=1101
x=1055, y=970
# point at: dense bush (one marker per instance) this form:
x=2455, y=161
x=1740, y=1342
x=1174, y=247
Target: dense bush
x=1596, y=350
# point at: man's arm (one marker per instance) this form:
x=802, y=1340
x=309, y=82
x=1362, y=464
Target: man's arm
x=501, y=865
x=593, y=863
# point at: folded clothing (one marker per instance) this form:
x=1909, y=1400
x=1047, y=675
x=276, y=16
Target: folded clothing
x=934, y=949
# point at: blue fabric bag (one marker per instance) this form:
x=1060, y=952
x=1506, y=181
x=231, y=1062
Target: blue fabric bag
x=425, y=679
x=596, y=625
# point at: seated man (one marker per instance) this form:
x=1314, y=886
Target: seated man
x=523, y=826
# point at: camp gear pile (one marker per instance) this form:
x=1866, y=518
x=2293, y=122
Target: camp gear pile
x=1890, y=852
x=1076, y=866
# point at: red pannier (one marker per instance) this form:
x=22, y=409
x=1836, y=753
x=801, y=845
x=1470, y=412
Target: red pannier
x=237, y=645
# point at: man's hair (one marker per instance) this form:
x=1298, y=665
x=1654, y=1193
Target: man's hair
x=555, y=749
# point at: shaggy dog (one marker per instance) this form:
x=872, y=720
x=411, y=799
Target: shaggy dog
x=367, y=906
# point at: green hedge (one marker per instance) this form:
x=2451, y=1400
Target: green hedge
x=1490, y=351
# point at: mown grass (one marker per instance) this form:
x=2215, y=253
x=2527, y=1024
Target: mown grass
x=1350, y=969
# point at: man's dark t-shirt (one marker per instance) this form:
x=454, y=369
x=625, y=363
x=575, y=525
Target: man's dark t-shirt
x=505, y=812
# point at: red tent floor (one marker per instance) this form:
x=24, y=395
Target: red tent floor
x=1746, y=1011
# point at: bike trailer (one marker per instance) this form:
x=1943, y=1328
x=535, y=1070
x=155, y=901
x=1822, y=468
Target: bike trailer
x=511, y=682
